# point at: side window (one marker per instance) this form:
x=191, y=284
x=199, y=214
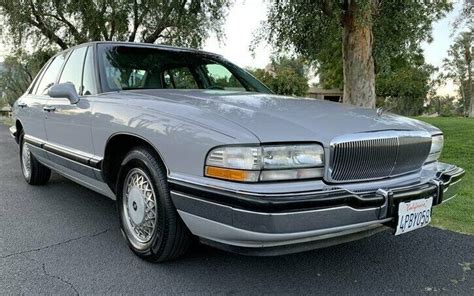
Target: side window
x=221, y=78
x=72, y=71
x=180, y=78
x=35, y=82
x=136, y=78
x=50, y=75
x=88, y=78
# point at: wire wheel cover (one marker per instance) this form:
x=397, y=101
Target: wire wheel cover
x=26, y=161
x=139, y=205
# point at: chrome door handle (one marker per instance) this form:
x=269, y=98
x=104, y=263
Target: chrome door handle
x=22, y=105
x=49, y=108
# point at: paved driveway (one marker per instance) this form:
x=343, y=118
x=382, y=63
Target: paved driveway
x=65, y=239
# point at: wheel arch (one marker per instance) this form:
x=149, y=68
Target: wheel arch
x=19, y=129
x=116, y=148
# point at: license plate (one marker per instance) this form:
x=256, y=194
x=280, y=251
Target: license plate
x=413, y=215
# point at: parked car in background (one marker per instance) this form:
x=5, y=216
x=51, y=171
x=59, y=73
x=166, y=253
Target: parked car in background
x=190, y=145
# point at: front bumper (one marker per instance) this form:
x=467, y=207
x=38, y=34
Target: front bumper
x=256, y=223
x=13, y=132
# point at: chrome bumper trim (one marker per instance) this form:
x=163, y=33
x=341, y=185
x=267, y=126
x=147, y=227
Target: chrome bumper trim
x=230, y=235
x=13, y=132
x=260, y=221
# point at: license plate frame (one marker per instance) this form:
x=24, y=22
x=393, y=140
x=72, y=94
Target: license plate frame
x=413, y=215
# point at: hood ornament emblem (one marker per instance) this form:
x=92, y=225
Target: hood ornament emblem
x=379, y=112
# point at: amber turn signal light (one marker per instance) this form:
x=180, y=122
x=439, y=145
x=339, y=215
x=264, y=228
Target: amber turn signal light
x=232, y=174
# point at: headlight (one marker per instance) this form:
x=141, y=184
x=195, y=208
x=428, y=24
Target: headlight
x=245, y=158
x=234, y=163
x=266, y=163
x=295, y=156
x=437, y=143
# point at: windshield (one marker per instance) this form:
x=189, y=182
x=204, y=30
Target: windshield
x=138, y=67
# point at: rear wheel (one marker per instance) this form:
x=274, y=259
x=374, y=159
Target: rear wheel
x=33, y=171
x=148, y=218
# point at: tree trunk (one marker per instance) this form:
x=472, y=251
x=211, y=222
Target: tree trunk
x=465, y=108
x=358, y=62
x=469, y=87
x=469, y=98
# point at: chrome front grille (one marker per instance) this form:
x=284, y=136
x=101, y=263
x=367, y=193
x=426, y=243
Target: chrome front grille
x=377, y=155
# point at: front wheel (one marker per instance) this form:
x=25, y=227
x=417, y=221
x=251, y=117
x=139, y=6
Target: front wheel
x=148, y=218
x=33, y=171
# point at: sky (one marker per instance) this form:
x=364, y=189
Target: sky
x=243, y=20
x=436, y=51
x=245, y=17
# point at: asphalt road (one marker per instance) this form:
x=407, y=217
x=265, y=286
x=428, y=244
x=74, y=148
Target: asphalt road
x=65, y=239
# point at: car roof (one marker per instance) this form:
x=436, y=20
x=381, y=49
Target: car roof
x=140, y=44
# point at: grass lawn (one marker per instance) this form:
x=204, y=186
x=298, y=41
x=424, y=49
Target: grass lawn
x=458, y=213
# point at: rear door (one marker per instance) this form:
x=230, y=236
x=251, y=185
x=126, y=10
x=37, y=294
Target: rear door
x=68, y=126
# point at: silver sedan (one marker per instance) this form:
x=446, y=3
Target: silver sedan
x=192, y=146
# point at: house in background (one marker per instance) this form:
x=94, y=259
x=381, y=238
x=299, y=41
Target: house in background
x=6, y=111
x=333, y=95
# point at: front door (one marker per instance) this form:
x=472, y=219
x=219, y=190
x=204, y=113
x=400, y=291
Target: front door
x=68, y=126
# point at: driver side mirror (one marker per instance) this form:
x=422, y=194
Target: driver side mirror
x=64, y=90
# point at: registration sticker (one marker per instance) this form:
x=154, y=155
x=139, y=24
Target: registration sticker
x=413, y=215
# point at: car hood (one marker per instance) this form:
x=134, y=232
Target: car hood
x=274, y=118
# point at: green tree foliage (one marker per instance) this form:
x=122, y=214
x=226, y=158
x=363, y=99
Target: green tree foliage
x=459, y=66
x=19, y=70
x=285, y=76
x=404, y=87
x=443, y=106
x=69, y=22
x=65, y=23
x=466, y=17
x=352, y=41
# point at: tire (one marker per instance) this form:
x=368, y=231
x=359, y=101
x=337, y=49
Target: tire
x=148, y=219
x=33, y=171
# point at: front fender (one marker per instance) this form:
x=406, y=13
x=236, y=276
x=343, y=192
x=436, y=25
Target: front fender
x=182, y=136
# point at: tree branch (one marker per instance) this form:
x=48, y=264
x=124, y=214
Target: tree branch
x=132, y=36
x=39, y=23
x=112, y=24
x=60, y=17
x=155, y=35
x=102, y=24
x=326, y=7
x=26, y=70
x=164, y=23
